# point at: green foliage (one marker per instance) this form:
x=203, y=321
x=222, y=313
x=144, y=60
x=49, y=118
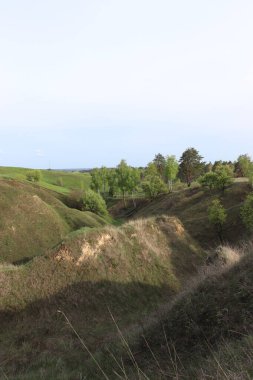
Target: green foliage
x=96, y=180
x=171, y=170
x=209, y=180
x=160, y=164
x=190, y=166
x=224, y=176
x=242, y=165
x=112, y=182
x=250, y=174
x=217, y=216
x=127, y=178
x=218, y=179
x=153, y=185
x=33, y=175
x=247, y=212
x=151, y=169
x=93, y=202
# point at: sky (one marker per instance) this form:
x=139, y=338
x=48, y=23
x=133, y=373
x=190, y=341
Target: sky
x=88, y=83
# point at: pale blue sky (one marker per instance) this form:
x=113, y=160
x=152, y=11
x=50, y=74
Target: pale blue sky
x=86, y=83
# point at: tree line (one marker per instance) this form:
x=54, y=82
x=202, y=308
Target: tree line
x=160, y=175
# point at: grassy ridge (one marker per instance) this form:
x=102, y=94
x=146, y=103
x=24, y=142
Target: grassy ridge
x=207, y=333
x=191, y=206
x=33, y=220
x=129, y=269
x=59, y=181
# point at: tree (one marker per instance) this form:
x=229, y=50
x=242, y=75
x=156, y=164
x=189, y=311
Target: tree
x=224, y=176
x=217, y=216
x=242, y=165
x=160, y=164
x=190, y=166
x=247, y=212
x=93, y=202
x=99, y=180
x=96, y=180
x=171, y=170
x=123, y=172
x=153, y=186
x=33, y=175
x=209, y=180
x=151, y=169
x=133, y=182
x=112, y=182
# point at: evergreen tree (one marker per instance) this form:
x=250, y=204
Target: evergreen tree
x=190, y=166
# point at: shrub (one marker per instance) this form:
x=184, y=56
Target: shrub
x=217, y=216
x=247, y=212
x=33, y=175
x=153, y=185
x=93, y=201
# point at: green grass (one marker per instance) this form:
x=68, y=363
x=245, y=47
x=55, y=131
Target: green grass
x=130, y=269
x=59, y=181
x=206, y=333
x=33, y=220
x=145, y=271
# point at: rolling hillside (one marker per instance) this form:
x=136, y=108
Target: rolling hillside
x=33, y=220
x=130, y=270
x=59, y=181
x=190, y=206
x=85, y=287
x=208, y=332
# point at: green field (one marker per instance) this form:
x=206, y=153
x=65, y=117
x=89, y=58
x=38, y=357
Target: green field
x=59, y=181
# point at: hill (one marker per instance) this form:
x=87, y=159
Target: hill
x=190, y=206
x=207, y=333
x=59, y=181
x=130, y=269
x=33, y=220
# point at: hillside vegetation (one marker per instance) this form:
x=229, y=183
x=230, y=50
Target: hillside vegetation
x=70, y=283
x=33, y=220
x=191, y=206
x=207, y=333
x=130, y=269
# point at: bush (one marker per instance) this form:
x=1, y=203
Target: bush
x=153, y=185
x=33, y=175
x=94, y=202
x=59, y=182
x=217, y=216
x=247, y=212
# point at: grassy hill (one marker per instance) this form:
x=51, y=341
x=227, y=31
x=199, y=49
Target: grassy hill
x=130, y=269
x=191, y=206
x=33, y=220
x=148, y=277
x=207, y=333
x=59, y=181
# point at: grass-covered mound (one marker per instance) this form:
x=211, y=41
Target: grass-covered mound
x=207, y=333
x=130, y=270
x=33, y=220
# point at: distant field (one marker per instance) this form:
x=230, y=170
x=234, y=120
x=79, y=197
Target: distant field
x=59, y=181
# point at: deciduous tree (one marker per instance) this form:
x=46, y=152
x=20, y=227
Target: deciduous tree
x=171, y=170
x=217, y=216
